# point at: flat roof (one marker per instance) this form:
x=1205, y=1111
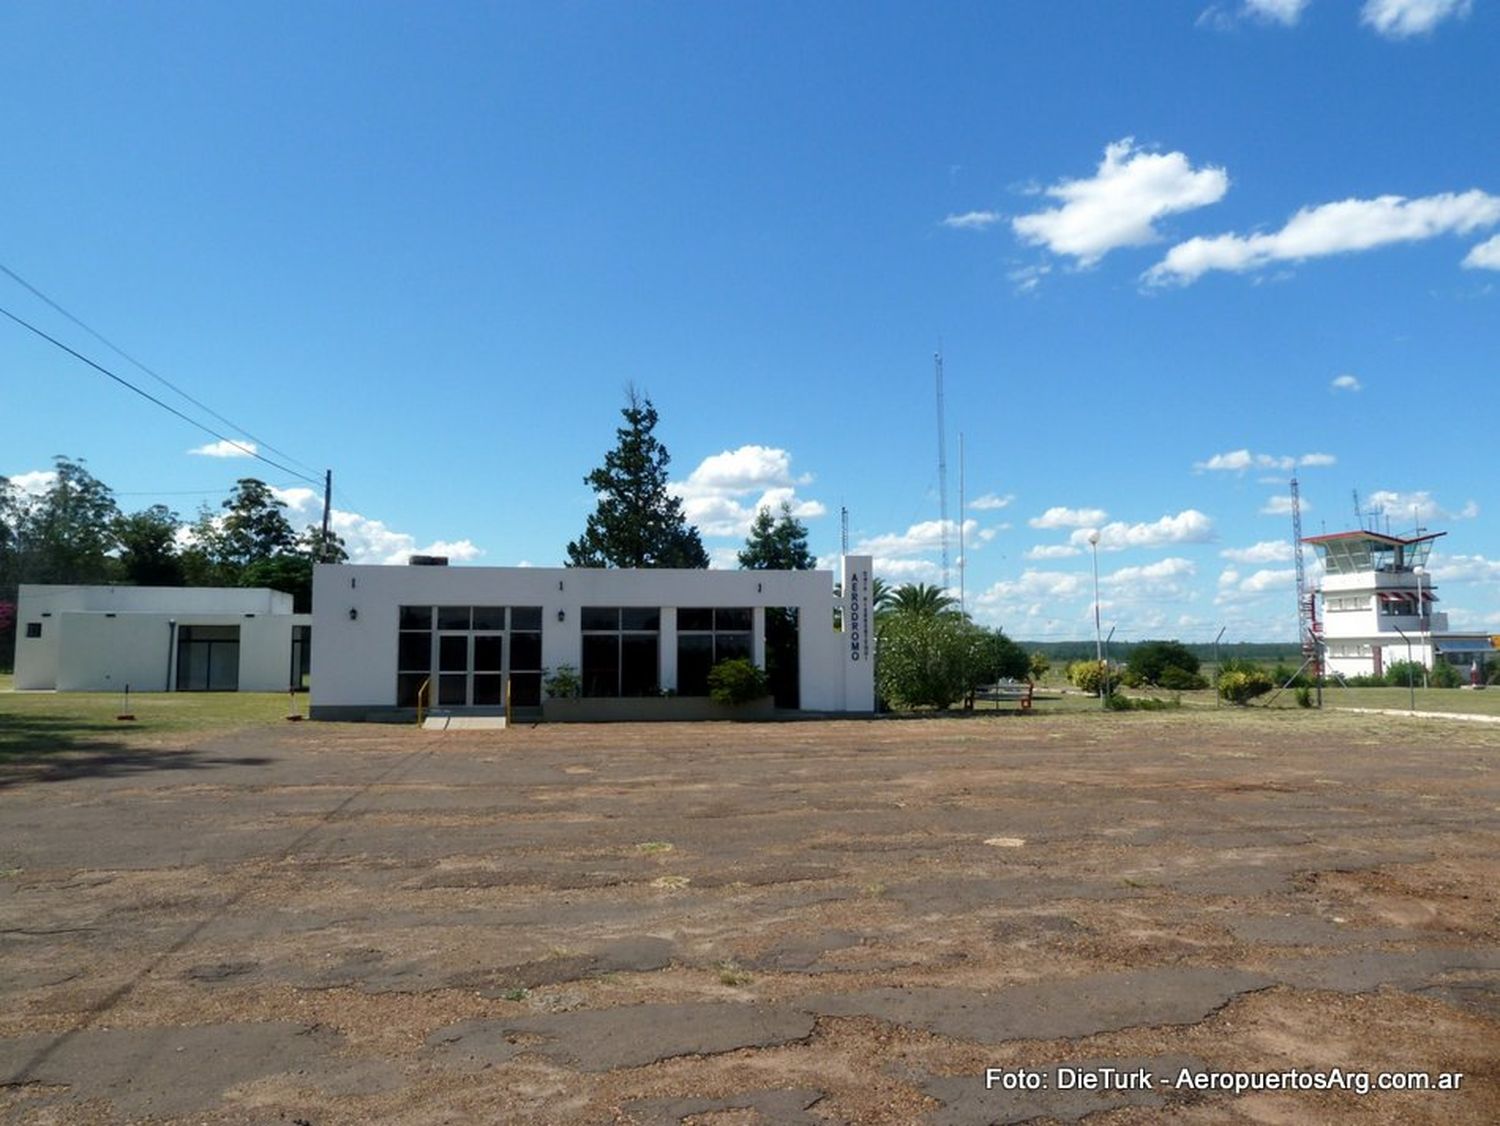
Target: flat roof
x=1375, y=537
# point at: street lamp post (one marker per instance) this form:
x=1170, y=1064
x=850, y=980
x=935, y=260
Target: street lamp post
x=1098, y=633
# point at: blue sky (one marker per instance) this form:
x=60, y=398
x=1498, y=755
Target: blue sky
x=1172, y=253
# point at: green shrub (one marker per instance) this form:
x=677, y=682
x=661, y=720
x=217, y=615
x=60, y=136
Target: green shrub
x=1176, y=679
x=1150, y=660
x=562, y=683
x=737, y=681
x=1240, y=686
x=1089, y=676
x=1447, y=675
x=1304, y=696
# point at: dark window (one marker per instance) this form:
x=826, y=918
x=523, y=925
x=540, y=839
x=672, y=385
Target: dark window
x=601, y=664
x=489, y=617
x=696, y=618
x=453, y=654
x=706, y=636
x=414, y=652
x=33, y=629
x=452, y=690
x=526, y=617
x=621, y=650
x=489, y=689
x=640, y=618
x=407, y=686
x=526, y=651
x=600, y=617
x=416, y=617
x=488, y=650
x=453, y=617
x=526, y=690
x=208, y=658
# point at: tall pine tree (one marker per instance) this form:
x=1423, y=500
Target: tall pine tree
x=637, y=522
x=777, y=544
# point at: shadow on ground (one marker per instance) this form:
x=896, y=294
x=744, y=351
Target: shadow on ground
x=55, y=749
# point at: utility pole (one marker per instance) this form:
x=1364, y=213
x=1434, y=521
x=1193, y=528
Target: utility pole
x=961, y=553
x=327, y=505
x=937, y=365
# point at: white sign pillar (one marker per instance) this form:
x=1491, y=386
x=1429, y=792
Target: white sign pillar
x=858, y=641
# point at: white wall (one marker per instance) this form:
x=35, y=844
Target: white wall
x=354, y=658
x=100, y=638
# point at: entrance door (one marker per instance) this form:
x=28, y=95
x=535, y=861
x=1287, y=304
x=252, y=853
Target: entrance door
x=208, y=658
x=471, y=670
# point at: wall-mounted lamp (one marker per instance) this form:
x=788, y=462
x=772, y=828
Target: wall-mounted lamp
x=353, y=582
x=562, y=614
x=757, y=588
x=353, y=613
x=559, y=584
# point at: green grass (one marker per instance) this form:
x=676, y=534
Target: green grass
x=39, y=722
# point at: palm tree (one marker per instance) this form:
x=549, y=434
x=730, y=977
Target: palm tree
x=921, y=599
x=880, y=595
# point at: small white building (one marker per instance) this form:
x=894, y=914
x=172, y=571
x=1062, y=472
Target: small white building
x=158, y=639
x=1378, y=606
x=478, y=637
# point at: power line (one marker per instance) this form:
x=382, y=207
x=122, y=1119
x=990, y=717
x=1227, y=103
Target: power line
x=152, y=398
x=260, y=442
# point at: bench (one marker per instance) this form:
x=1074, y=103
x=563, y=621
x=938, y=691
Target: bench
x=1006, y=692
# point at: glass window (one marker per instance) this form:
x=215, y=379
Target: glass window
x=33, y=629
x=526, y=690
x=453, y=690
x=639, y=667
x=695, y=617
x=735, y=619
x=729, y=646
x=489, y=617
x=526, y=651
x=600, y=617
x=526, y=617
x=601, y=664
x=407, y=686
x=695, y=656
x=453, y=654
x=489, y=690
x=640, y=618
x=453, y=617
x=416, y=617
x=488, y=650
x=414, y=652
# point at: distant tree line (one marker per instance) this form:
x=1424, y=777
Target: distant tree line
x=74, y=532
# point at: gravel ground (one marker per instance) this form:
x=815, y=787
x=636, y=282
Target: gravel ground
x=735, y=923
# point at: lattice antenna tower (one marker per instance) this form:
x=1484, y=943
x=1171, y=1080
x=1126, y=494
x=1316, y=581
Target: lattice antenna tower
x=1306, y=616
x=843, y=530
x=937, y=365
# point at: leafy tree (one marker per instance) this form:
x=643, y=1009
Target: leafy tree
x=205, y=558
x=1090, y=676
x=321, y=548
x=880, y=595
x=637, y=522
x=1150, y=660
x=922, y=660
x=69, y=531
x=777, y=544
x=1039, y=665
x=921, y=599
x=255, y=527
x=1242, y=684
x=148, y=547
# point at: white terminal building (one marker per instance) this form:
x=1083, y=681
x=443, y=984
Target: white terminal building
x=1378, y=603
x=158, y=639
x=640, y=643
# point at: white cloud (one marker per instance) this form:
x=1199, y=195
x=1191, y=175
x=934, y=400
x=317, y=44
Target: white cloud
x=1266, y=551
x=226, y=448
x=973, y=220
x=1401, y=19
x=907, y=570
x=1266, y=580
x=990, y=502
x=1060, y=517
x=1027, y=278
x=1344, y=227
x=1053, y=551
x=1188, y=526
x=1485, y=256
x=1153, y=581
x=1034, y=585
x=1228, y=577
x=1346, y=383
x=1465, y=568
x=35, y=482
x=1280, y=504
x=919, y=539
x=723, y=494
x=1120, y=203
x=366, y=540
x=1419, y=506
x=1238, y=461
x=1285, y=12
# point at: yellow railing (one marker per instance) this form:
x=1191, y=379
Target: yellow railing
x=422, y=695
